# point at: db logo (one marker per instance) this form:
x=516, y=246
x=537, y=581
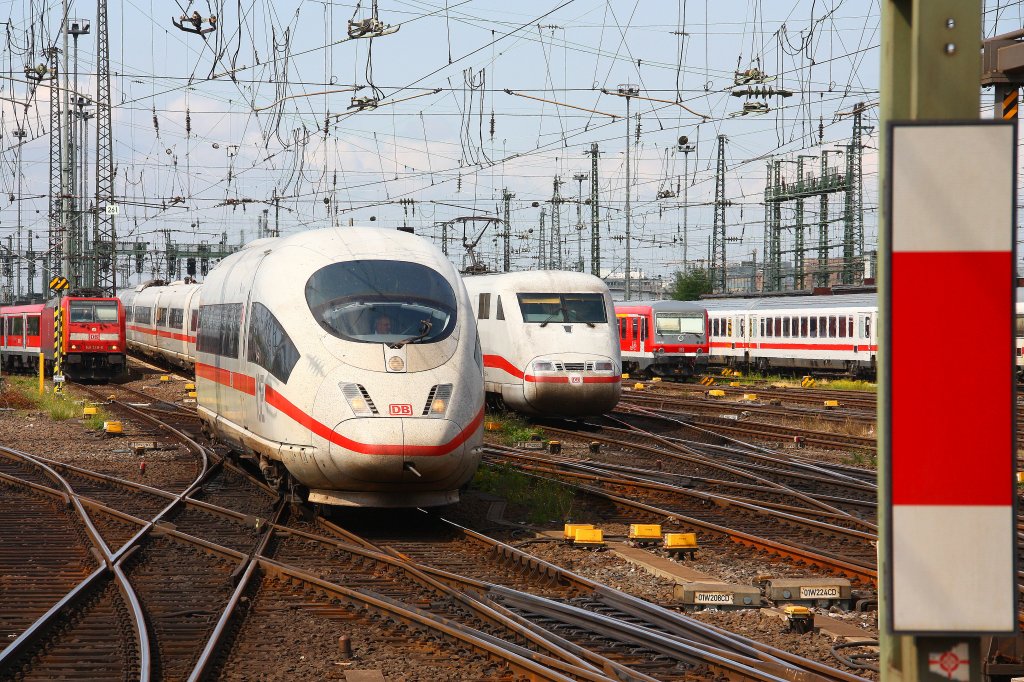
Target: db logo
x=400, y=409
x=576, y=379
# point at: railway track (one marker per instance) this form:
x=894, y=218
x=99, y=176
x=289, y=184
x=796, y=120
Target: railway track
x=189, y=547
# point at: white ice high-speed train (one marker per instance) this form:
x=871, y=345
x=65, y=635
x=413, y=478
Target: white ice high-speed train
x=349, y=357
x=550, y=342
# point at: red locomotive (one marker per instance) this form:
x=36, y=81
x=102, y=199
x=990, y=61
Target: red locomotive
x=662, y=338
x=93, y=337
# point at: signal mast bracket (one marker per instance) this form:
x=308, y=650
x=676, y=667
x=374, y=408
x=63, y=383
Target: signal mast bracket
x=194, y=24
x=364, y=103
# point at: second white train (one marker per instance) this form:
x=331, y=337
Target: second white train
x=550, y=342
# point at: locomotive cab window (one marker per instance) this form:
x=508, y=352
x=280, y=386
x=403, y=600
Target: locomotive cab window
x=129, y=314
x=682, y=323
x=270, y=347
x=563, y=308
x=500, y=313
x=376, y=301
x=93, y=311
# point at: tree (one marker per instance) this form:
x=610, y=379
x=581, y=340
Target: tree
x=690, y=285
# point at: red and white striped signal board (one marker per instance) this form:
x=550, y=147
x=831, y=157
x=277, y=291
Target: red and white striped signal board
x=949, y=387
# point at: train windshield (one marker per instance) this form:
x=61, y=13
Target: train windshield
x=93, y=311
x=680, y=323
x=378, y=301
x=560, y=308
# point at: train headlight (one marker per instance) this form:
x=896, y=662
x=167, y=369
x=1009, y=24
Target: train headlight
x=74, y=346
x=396, y=364
x=358, y=403
x=113, y=347
x=437, y=401
x=603, y=366
x=543, y=366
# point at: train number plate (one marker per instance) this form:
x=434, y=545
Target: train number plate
x=94, y=337
x=825, y=592
x=576, y=379
x=400, y=409
x=712, y=598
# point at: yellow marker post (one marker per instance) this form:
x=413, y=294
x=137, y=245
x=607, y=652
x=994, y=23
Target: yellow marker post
x=42, y=374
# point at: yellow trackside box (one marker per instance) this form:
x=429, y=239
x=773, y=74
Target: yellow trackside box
x=644, y=531
x=625, y=375
x=192, y=394
x=655, y=380
x=589, y=537
x=190, y=387
x=89, y=411
x=112, y=428
x=831, y=403
x=734, y=384
x=569, y=533
x=716, y=393
x=792, y=610
x=680, y=540
x=750, y=396
x=164, y=377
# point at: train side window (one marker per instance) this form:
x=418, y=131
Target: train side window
x=778, y=326
x=643, y=329
x=499, y=314
x=849, y=325
x=33, y=326
x=785, y=327
x=814, y=327
x=161, y=317
x=636, y=328
x=177, y=318
x=842, y=327
x=219, y=327
x=484, y=307
x=867, y=327
x=17, y=326
x=761, y=324
x=741, y=325
x=143, y=314
x=270, y=347
x=128, y=313
x=803, y=327
x=195, y=320
x=832, y=332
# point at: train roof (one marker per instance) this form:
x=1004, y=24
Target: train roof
x=663, y=305
x=536, y=281
x=792, y=302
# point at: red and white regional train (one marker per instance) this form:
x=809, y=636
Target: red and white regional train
x=93, y=337
x=837, y=333
x=549, y=344
x=663, y=338
x=348, y=356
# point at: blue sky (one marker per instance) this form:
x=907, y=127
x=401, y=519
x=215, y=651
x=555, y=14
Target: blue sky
x=221, y=149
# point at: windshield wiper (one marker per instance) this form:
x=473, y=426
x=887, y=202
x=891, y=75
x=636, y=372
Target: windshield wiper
x=425, y=325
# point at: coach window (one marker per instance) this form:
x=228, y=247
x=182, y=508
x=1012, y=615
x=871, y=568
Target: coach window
x=803, y=327
x=161, y=317
x=814, y=327
x=636, y=327
x=129, y=313
x=269, y=344
x=867, y=327
x=17, y=326
x=219, y=327
x=832, y=331
x=849, y=325
x=785, y=327
x=33, y=326
x=195, y=320
x=842, y=327
x=761, y=327
x=499, y=313
x=143, y=314
x=177, y=318
x=741, y=325
x=484, y=308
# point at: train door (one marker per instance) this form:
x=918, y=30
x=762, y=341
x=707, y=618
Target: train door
x=646, y=340
x=634, y=334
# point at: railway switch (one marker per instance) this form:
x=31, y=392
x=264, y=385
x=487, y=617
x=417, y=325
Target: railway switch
x=590, y=538
x=800, y=618
x=644, y=533
x=680, y=544
x=810, y=592
x=699, y=596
